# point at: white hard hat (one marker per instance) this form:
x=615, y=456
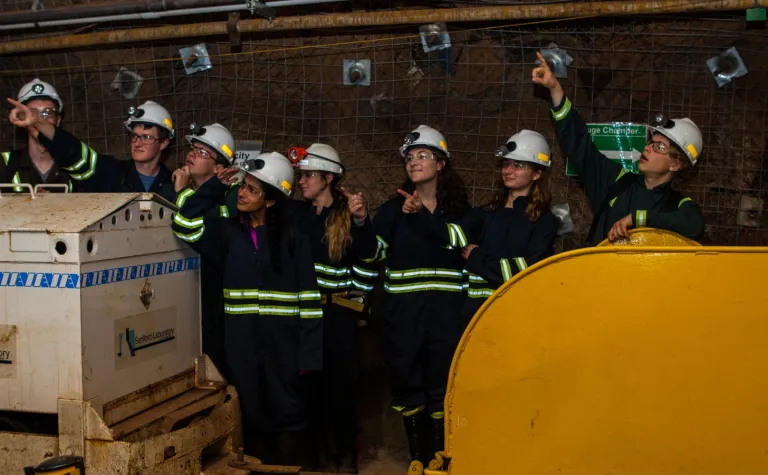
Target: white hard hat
x=215, y=136
x=37, y=89
x=526, y=146
x=321, y=157
x=425, y=136
x=273, y=169
x=682, y=132
x=150, y=113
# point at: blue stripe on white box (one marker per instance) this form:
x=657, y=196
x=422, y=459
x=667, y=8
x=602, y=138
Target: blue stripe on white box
x=54, y=280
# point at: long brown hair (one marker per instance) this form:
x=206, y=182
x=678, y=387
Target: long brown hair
x=539, y=198
x=451, y=192
x=338, y=224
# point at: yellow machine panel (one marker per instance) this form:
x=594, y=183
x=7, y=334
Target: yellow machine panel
x=617, y=360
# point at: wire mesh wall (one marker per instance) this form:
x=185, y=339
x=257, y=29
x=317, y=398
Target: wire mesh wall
x=289, y=91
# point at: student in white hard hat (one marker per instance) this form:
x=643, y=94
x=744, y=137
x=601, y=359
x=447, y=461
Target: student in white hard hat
x=34, y=165
x=273, y=336
x=425, y=291
x=340, y=233
x=151, y=129
x=210, y=156
x=622, y=200
x=514, y=231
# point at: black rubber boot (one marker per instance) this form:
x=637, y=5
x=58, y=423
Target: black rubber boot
x=437, y=439
x=414, y=429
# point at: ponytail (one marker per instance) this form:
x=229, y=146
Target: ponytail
x=338, y=225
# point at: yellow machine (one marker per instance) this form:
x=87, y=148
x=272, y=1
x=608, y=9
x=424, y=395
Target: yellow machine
x=639, y=359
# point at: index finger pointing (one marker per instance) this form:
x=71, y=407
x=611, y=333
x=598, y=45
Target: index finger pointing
x=404, y=194
x=542, y=60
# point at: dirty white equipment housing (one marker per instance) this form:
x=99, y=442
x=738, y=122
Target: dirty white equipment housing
x=99, y=322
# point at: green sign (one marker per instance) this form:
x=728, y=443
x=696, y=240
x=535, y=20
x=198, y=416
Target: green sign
x=618, y=141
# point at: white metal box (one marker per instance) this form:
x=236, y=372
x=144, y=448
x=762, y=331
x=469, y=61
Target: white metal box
x=98, y=299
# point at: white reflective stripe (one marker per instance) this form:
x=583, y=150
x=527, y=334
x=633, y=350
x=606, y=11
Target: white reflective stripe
x=223, y=211
x=333, y=285
x=365, y=273
x=423, y=286
x=268, y=295
x=190, y=237
x=307, y=313
x=458, y=238
x=17, y=180
x=309, y=295
x=394, y=274
x=91, y=168
x=382, y=243
x=479, y=293
x=279, y=310
x=183, y=197
x=83, y=158
x=640, y=218
x=241, y=308
x=506, y=270
x=6, y=157
x=69, y=186
x=452, y=235
x=331, y=270
x=188, y=223
x=521, y=264
x=563, y=111
x=476, y=278
x=362, y=286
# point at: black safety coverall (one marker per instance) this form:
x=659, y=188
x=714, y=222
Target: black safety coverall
x=425, y=293
x=273, y=320
x=17, y=167
x=613, y=193
x=508, y=242
x=99, y=173
x=336, y=408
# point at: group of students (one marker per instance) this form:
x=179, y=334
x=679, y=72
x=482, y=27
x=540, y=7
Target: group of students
x=279, y=275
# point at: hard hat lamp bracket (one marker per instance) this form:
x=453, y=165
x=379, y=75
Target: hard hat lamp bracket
x=296, y=154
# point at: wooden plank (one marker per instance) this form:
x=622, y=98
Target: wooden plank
x=213, y=399
x=135, y=403
x=158, y=412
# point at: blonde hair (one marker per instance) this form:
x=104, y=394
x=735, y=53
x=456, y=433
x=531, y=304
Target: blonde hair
x=338, y=225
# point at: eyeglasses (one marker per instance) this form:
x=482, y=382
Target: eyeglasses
x=145, y=139
x=658, y=147
x=515, y=164
x=308, y=174
x=251, y=190
x=46, y=113
x=201, y=152
x=419, y=156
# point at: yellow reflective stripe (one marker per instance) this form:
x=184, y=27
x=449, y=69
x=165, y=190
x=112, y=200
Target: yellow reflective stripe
x=381, y=250
x=83, y=159
x=17, y=181
x=521, y=264
x=330, y=270
x=437, y=415
x=423, y=286
x=362, y=286
x=69, y=186
x=610, y=203
x=262, y=310
x=410, y=273
x=365, y=273
x=560, y=114
x=223, y=211
x=271, y=295
x=640, y=218
x=190, y=237
x=477, y=278
x=408, y=411
x=506, y=270
x=188, y=223
x=91, y=168
x=456, y=235
x=479, y=293
x=333, y=285
x=309, y=295
x=621, y=174
x=182, y=198
x=6, y=157
x=310, y=313
x=683, y=201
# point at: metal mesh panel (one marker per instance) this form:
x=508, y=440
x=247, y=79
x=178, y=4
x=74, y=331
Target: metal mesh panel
x=288, y=91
